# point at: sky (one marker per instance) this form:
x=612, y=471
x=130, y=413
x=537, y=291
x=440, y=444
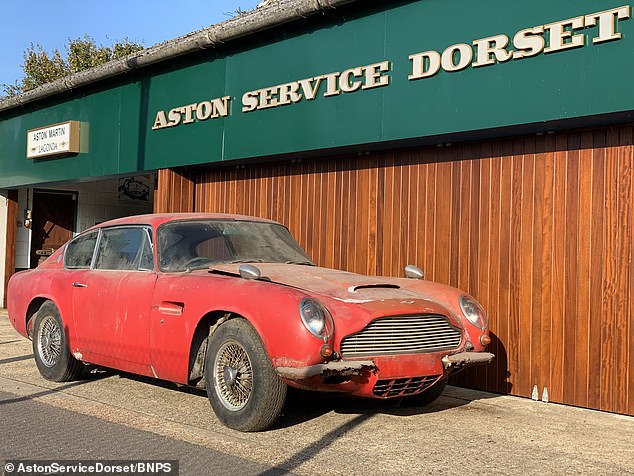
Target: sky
x=50, y=24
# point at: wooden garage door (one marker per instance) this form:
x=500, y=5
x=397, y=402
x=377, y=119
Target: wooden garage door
x=538, y=228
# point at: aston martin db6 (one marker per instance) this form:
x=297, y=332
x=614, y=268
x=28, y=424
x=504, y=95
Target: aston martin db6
x=233, y=305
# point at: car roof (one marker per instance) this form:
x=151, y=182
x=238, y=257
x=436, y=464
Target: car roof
x=157, y=219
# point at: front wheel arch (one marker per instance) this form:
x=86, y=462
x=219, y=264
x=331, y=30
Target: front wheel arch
x=198, y=347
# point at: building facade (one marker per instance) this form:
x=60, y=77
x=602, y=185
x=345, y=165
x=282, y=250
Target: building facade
x=490, y=144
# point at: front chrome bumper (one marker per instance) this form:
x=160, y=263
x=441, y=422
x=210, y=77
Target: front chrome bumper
x=466, y=359
x=351, y=368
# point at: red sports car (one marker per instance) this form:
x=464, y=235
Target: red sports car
x=232, y=304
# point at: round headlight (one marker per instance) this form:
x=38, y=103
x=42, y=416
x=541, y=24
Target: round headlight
x=473, y=312
x=316, y=319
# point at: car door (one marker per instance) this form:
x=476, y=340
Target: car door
x=112, y=299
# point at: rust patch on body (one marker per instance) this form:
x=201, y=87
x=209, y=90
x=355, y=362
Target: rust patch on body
x=340, y=368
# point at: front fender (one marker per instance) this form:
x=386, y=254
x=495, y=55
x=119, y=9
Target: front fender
x=181, y=301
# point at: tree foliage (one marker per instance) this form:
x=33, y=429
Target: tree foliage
x=41, y=67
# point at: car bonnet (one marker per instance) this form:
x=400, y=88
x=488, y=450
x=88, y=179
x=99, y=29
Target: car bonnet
x=337, y=284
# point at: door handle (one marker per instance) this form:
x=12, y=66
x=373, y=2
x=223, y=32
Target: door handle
x=79, y=285
x=171, y=308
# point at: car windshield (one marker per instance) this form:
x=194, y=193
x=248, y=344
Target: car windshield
x=187, y=245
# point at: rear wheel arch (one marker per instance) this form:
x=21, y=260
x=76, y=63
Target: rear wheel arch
x=31, y=310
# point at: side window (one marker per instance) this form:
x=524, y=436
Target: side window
x=79, y=251
x=120, y=249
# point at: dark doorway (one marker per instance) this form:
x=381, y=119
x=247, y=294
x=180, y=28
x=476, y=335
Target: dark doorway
x=53, y=223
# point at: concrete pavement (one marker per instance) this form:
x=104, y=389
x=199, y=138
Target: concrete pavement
x=463, y=432
x=55, y=433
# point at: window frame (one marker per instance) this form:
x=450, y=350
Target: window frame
x=159, y=228
x=78, y=237
x=148, y=235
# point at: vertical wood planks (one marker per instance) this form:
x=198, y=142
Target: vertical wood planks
x=584, y=248
x=622, y=329
x=174, y=193
x=538, y=228
x=11, y=238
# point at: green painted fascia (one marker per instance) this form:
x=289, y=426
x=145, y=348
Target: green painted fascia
x=118, y=118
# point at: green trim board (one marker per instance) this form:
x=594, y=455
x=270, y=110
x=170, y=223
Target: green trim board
x=367, y=74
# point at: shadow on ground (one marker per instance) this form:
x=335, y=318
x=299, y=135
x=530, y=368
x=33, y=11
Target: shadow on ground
x=303, y=406
x=89, y=375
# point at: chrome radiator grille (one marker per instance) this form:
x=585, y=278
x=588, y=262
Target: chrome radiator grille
x=402, y=335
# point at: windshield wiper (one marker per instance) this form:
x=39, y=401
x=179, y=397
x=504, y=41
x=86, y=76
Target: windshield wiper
x=253, y=260
x=303, y=263
x=189, y=269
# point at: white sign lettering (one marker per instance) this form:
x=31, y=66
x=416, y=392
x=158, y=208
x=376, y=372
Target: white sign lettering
x=348, y=81
x=557, y=36
x=191, y=113
x=548, y=38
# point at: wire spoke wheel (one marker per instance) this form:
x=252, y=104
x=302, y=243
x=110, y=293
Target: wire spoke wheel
x=233, y=375
x=49, y=341
x=50, y=347
x=244, y=389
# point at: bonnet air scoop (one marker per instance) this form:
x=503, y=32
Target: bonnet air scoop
x=354, y=289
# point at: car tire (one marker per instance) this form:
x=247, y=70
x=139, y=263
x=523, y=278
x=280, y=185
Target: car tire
x=244, y=390
x=50, y=347
x=427, y=396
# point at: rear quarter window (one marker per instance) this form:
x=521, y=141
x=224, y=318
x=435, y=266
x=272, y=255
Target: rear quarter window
x=80, y=251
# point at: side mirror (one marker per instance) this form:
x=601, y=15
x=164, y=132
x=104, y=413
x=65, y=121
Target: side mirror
x=248, y=271
x=414, y=272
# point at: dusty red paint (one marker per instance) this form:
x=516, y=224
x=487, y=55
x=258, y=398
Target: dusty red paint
x=144, y=322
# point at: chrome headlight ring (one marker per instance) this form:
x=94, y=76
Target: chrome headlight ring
x=316, y=319
x=474, y=312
